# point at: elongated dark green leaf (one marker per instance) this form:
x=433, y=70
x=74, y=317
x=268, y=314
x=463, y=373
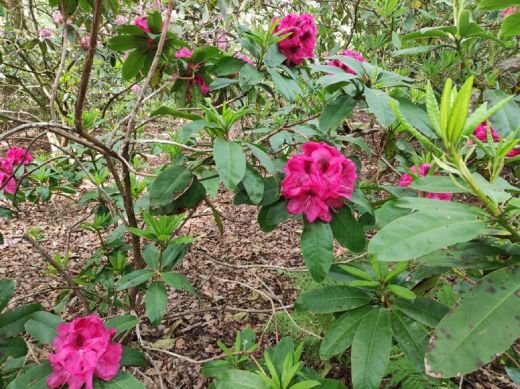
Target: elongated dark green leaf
x=6, y=292
x=42, y=326
x=286, y=86
x=170, y=183
x=263, y=157
x=423, y=310
x=334, y=298
x=230, y=161
x=340, y=334
x=32, y=378
x=336, y=111
x=165, y=110
x=431, y=205
x=481, y=327
x=348, y=231
x=122, y=323
x=13, y=347
x=254, y=184
x=438, y=184
x=133, y=64
x=371, y=349
x=132, y=357
x=178, y=281
x=249, y=76
x=511, y=25
x=415, y=50
x=379, y=104
x=134, y=279
x=490, y=5
x=421, y=233
x=122, y=380
x=412, y=338
x=227, y=65
x=241, y=379
x=155, y=301
x=12, y=322
x=316, y=244
x=270, y=216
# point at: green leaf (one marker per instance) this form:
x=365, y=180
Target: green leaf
x=42, y=326
x=230, y=161
x=156, y=301
x=356, y=272
x=511, y=25
x=459, y=111
x=371, y=349
x=506, y=119
x=412, y=338
x=270, y=216
x=425, y=311
x=122, y=323
x=32, y=378
x=249, y=76
x=263, y=157
x=401, y=291
x=340, y=334
x=379, y=104
x=178, y=281
x=286, y=86
x=330, y=299
x=12, y=322
x=215, y=368
x=132, y=357
x=122, y=380
x=133, y=64
x=165, y=110
x=169, y=184
x=316, y=245
x=416, y=116
x=227, y=66
x=241, y=379
x=133, y=279
x=12, y=347
x=6, y=292
x=347, y=230
x=254, y=184
x=432, y=206
x=439, y=184
x=123, y=42
x=481, y=327
x=415, y=50
x=421, y=233
x=492, y=5
x=336, y=111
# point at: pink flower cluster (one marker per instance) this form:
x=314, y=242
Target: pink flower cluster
x=481, y=134
x=57, y=17
x=84, y=42
x=196, y=79
x=14, y=157
x=302, y=41
x=341, y=65
x=121, y=19
x=508, y=11
x=45, y=33
x=407, y=179
x=83, y=349
x=318, y=179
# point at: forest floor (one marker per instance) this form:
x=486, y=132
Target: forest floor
x=243, y=277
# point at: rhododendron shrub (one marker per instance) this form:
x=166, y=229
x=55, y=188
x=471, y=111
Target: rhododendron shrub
x=407, y=179
x=83, y=350
x=317, y=181
x=301, y=42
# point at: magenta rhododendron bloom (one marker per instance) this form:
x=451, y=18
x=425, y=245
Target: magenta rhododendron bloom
x=201, y=83
x=508, y=11
x=19, y=155
x=407, y=179
x=45, y=33
x=142, y=23
x=83, y=349
x=341, y=65
x=7, y=182
x=302, y=41
x=183, y=53
x=481, y=134
x=318, y=179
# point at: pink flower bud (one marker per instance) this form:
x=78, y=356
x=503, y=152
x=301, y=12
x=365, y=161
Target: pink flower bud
x=302, y=41
x=407, y=179
x=45, y=33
